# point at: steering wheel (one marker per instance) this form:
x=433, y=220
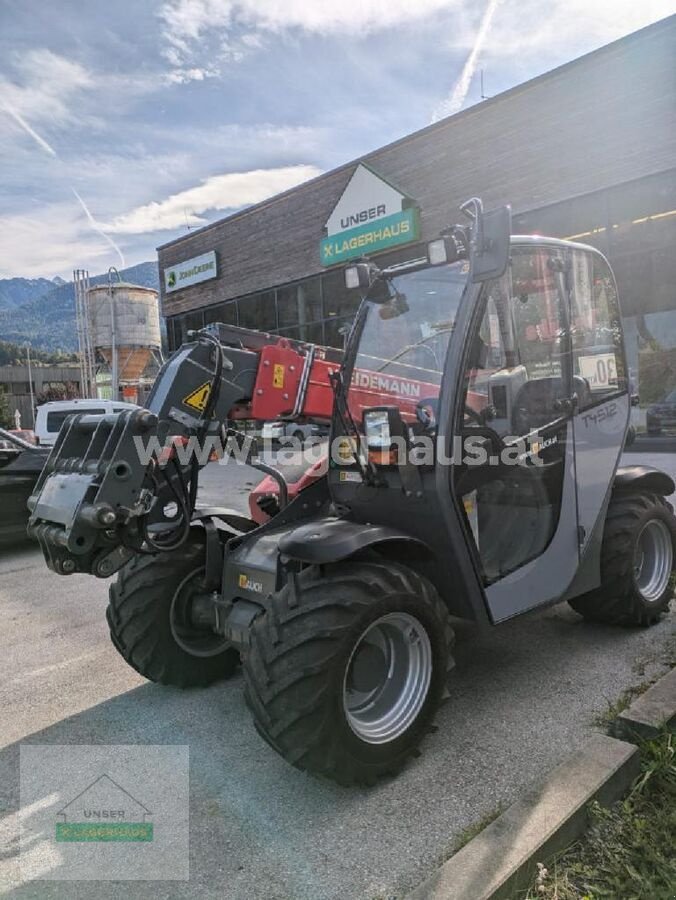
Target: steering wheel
x=481, y=429
x=426, y=412
x=474, y=415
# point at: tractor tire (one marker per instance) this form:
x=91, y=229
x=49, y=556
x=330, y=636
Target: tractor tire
x=332, y=702
x=139, y=618
x=637, y=558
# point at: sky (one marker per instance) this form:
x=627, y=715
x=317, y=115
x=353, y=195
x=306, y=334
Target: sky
x=123, y=124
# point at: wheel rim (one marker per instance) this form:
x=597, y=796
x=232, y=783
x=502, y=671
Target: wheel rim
x=653, y=560
x=387, y=678
x=195, y=641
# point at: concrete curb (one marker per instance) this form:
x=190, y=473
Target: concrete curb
x=650, y=713
x=502, y=858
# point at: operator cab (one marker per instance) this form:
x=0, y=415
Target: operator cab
x=489, y=395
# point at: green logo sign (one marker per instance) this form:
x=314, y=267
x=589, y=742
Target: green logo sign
x=104, y=812
x=390, y=231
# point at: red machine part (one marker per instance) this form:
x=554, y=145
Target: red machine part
x=296, y=383
x=285, y=372
x=268, y=487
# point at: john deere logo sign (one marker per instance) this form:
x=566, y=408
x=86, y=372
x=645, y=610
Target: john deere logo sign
x=192, y=271
x=371, y=215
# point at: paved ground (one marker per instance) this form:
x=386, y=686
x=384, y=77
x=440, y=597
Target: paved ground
x=522, y=698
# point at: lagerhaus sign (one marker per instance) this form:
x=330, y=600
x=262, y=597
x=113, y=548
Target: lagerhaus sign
x=371, y=215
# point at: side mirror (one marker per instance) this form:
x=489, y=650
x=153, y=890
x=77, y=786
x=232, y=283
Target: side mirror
x=634, y=400
x=490, y=243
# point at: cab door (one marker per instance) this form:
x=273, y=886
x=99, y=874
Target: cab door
x=602, y=403
x=520, y=500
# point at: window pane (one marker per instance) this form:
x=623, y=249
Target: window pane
x=299, y=304
x=291, y=333
x=516, y=366
x=335, y=332
x=338, y=301
x=258, y=312
x=222, y=312
x=309, y=301
x=287, y=311
x=598, y=357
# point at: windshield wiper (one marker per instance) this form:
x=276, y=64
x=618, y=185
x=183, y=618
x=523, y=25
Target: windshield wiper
x=408, y=347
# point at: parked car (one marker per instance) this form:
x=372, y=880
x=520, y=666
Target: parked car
x=51, y=416
x=20, y=467
x=280, y=431
x=662, y=415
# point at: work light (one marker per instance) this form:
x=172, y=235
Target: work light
x=377, y=429
x=357, y=276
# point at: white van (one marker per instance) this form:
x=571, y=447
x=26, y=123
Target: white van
x=50, y=416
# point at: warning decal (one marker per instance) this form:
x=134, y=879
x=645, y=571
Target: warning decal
x=278, y=376
x=198, y=398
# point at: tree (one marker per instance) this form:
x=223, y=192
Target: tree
x=6, y=418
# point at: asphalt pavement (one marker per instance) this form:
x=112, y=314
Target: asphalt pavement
x=523, y=697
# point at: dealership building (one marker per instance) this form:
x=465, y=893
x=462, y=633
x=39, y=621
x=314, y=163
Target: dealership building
x=586, y=151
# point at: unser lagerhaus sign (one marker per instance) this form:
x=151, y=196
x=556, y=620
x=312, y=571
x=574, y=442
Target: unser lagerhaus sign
x=370, y=216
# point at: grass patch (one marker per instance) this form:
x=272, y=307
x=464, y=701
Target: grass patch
x=469, y=833
x=629, y=852
x=608, y=716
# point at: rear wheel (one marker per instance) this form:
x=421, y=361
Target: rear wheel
x=637, y=560
x=344, y=673
x=149, y=619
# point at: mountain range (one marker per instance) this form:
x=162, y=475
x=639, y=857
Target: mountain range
x=42, y=311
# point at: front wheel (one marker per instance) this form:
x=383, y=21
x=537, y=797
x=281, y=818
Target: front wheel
x=149, y=619
x=637, y=560
x=345, y=672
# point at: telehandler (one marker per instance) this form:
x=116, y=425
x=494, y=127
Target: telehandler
x=477, y=418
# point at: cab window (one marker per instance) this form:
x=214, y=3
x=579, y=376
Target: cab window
x=596, y=330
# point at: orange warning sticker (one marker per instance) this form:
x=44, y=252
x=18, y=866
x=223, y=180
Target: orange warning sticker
x=278, y=376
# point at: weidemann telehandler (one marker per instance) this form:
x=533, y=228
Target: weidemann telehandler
x=338, y=600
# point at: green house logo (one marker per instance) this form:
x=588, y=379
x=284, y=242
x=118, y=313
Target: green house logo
x=171, y=279
x=104, y=811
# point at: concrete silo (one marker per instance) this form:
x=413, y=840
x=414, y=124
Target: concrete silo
x=124, y=329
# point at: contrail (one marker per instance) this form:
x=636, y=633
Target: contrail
x=52, y=152
x=454, y=103
x=97, y=228
x=31, y=131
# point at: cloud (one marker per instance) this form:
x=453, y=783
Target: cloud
x=220, y=192
x=94, y=225
x=48, y=240
x=22, y=123
x=459, y=93
x=186, y=23
x=44, y=87
x=570, y=26
x=519, y=45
